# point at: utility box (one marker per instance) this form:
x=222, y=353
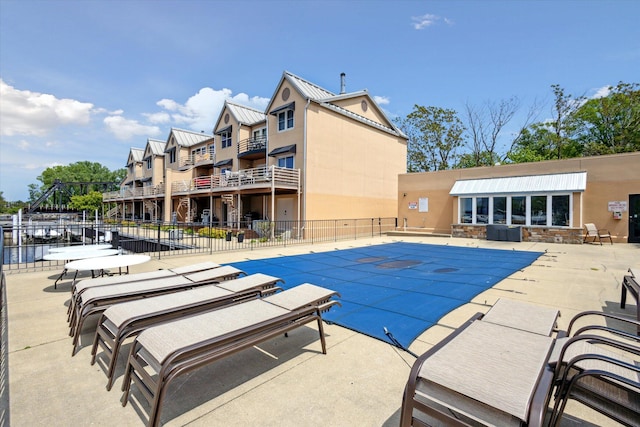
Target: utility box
x=504, y=233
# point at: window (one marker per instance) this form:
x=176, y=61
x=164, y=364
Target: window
x=260, y=134
x=149, y=163
x=518, y=210
x=560, y=210
x=285, y=120
x=226, y=139
x=172, y=155
x=466, y=211
x=211, y=149
x=285, y=162
x=538, y=210
x=482, y=210
x=499, y=210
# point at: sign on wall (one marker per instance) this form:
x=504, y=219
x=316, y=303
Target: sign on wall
x=423, y=204
x=413, y=205
x=620, y=206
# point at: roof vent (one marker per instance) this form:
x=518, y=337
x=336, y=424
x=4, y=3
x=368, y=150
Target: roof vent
x=342, y=83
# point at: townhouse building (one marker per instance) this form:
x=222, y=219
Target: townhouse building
x=312, y=154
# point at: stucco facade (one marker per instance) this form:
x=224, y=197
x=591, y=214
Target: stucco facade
x=609, y=179
x=311, y=154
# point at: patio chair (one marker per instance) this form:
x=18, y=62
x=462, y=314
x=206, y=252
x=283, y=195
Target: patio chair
x=631, y=284
x=127, y=319
x=98, y=299
x=461, y=380
x=601, y=373
x=595, y=234
x=161, y=353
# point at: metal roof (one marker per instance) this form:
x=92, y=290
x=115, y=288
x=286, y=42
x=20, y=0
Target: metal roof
x=156, y=146
x=561, y=182
x=246, y=115
x=135, y=155
x=308, y=89
x=187, y=138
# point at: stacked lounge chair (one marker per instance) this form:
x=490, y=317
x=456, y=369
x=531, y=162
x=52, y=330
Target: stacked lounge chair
x=98, y=298
x=80, y=286
x=495, y=372
x=161, y=353
x=124, y=320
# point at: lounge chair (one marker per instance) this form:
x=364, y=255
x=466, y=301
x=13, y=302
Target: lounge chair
x=491, y=374
x=594, y=234
x=78, y=287
x=161, y=353
x=483, y=373
x=127, y=319
x=97, y=299
x=601, y=373
x=631, y=284
x=522, y=315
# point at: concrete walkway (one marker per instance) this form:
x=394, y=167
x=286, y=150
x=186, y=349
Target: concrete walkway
x=285, y=381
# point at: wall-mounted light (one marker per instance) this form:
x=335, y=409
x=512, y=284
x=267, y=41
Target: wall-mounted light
x=404, y=194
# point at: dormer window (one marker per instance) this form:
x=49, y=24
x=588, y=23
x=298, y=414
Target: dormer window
x=148, y=162
x=284, y=114
x=285, y=120
x=226, y=139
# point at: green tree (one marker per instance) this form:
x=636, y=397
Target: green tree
x=611, y=124
x=435, y=134
x=79, y=172
x=87, y=202
x=538, y=143
x=563, y=124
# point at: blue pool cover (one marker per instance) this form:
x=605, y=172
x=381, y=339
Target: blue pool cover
x=403, y=287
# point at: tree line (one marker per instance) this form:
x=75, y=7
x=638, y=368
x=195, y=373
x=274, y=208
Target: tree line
x=439, y=138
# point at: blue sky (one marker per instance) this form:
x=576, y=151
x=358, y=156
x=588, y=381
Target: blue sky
x=88, y=80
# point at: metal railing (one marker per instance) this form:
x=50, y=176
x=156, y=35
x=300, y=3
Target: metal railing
x=195, y=159
x=252, y=144
x=283, y=177
x=4, y=346
x=27, y=245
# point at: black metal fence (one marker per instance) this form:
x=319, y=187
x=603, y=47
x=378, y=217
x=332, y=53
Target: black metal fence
x=26, y=246
x=4, y=348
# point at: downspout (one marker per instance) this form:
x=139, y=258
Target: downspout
x=304, y=162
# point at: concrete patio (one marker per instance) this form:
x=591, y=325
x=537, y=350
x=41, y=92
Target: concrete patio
x=284, y=381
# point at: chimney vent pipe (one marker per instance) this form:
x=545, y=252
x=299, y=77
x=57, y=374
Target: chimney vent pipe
x=342, y=83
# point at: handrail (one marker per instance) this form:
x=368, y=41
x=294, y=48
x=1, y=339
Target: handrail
x=252, y=144
x=4, y=343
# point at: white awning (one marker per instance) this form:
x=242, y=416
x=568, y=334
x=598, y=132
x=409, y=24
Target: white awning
x=555, y=183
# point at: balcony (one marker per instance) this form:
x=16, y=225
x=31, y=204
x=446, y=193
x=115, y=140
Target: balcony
x=252, y=148
x=132, y=193
x=198, y=159
x=246, y=179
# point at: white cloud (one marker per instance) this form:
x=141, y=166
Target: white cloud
x=381, y=100
x=602, y=92
x=23, y=112
x=125, y=129
x=201, y=110
x=161, y=117
x=428, y=20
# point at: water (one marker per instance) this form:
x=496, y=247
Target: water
x=31, y=253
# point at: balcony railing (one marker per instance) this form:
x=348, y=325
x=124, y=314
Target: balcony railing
x=128, y=193
x=255, y=177
x=252, y=145
x=196, y=159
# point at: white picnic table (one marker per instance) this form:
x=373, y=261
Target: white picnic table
x=105, y=263
x=85, y=248
x=77, y=255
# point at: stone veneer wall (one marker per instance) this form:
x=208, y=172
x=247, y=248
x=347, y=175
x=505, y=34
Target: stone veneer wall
x=529, y=233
